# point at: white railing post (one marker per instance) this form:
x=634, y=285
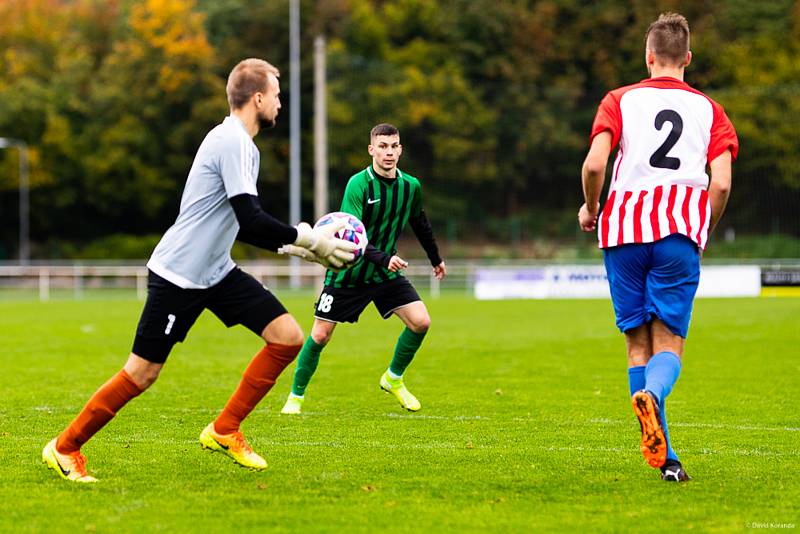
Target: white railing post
x=141, y=284
x=44, y=285
x=77, y=278
x=434, y=285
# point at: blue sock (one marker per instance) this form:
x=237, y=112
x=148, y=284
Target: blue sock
x=661, y=373
x=636, y=378
x=670, y=453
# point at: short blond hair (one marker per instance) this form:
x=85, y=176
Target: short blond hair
x=248, y=77
x=668, y=37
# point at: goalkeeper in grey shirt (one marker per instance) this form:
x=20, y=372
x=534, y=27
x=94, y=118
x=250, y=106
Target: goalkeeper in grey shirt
x=191, y=270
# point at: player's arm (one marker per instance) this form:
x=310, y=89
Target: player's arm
x=379, y=257
x=593, y=174
x=264, y=229
x=418, y=220
x=256, y=226
x=723, y=148
x=720, y=188
x=376, y=256
x=424, y=232
x=319, y=245
x=259, y=228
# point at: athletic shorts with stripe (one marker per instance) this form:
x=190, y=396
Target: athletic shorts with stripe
x=170, y=311
x=345, y=304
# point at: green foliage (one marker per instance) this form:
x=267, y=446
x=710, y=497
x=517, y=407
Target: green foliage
x=115, y=246
x=754, y=247
x=113, y=97
x=494, y=101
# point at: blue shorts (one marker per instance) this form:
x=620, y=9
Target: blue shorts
x=649, y=280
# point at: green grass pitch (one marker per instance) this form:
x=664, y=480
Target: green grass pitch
x=526, y=424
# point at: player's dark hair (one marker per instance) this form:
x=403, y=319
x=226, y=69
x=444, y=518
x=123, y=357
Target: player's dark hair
x=668, y=38
x=383, y=128
x=248, y=77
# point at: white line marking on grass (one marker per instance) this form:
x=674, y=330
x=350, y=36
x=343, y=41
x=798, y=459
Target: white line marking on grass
x=738, y=427
x=732, y=452
x=275, y=443
x=720, y=426
x=442, y=417
x=372, y=445
x=179, y=440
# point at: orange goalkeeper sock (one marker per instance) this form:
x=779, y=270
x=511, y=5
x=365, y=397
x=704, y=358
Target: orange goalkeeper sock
x=101, y=408
x=258, y=379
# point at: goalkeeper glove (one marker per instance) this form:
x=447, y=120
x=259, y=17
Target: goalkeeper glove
x=300, y=252
x=323, y=243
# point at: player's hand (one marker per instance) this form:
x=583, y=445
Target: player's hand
x=322, y=242
x=588, y=219
x=301, y=252
x=396, y=263
x=334, y=264
x=440, y=271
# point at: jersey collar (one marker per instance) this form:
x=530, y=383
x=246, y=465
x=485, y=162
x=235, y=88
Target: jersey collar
x=373, y=176
x=667, y=80
x=238, y=121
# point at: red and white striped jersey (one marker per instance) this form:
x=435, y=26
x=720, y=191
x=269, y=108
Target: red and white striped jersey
x=667, y=133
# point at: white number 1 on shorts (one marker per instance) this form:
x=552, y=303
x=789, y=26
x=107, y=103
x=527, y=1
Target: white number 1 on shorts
x=171, y=322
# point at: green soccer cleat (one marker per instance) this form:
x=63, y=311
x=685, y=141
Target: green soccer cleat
x=233, y=445
x=293, y=406
x=400, y=391
x=68, y=466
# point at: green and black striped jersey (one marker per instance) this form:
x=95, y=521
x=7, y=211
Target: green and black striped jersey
x=384, y=205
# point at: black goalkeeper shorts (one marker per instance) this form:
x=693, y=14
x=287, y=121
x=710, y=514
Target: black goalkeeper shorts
x=170, y=311
x=345, y=304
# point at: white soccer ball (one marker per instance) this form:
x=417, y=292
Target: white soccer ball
x=353, y=231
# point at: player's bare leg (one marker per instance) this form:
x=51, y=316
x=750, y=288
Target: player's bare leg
x=664, y=340
x=62, y=454
x=417, y=320
x=283, y=336
x=639, y=344
x=307, y=361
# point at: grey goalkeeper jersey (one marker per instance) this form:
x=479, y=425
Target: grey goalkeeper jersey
x=195, y=253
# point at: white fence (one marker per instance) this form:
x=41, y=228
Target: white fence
x=484, y=279
x=78, y=277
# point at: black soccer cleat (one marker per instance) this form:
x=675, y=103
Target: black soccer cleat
x=672, y=471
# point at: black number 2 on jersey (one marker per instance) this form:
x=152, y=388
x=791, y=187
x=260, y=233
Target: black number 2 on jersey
x=659, y=158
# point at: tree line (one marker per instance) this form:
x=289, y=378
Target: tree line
x=494, y=101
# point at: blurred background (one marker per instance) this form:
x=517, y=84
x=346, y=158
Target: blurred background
x=494, y=100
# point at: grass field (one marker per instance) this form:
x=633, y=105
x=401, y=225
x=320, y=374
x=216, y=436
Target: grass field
x=526, y=424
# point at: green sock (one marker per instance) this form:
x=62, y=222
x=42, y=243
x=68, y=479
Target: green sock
x=407, y=345
x=306, y=365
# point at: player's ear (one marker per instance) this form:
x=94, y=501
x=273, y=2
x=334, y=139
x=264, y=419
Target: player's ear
x=649, y=57
x=688, y=59
x=371, y=150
